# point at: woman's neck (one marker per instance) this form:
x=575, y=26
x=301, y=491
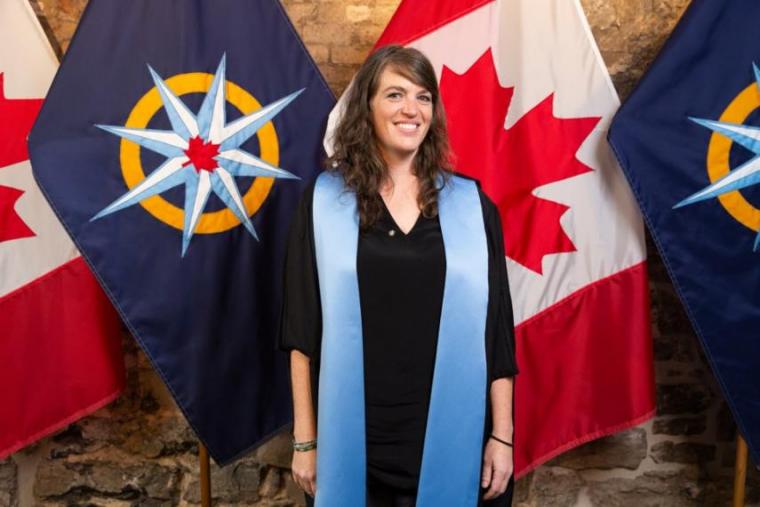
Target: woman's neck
x=400, y=174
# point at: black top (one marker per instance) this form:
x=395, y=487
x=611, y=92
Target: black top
x=401, y=278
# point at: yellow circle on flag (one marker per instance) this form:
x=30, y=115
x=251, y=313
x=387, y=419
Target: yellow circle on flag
x=718, y=154
x=133, y=173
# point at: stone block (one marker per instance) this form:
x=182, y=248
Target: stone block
x=522, y=489
x=294, y=493
x=626, y=449
x=684, y=452
x=55, y=478
x=332, y=15
x=381, y=14
x=151, y=436
x=655, y=267
x=365, y=35
x=667, y=310
x=300, y=12
x=671, y=488
x=8, y=482
x=237, y=483
x=680, y=347
x=350, y=55
x=223, y=487
x=69, y=441
x=676, y=399
x=277, y=451
x=316, y=32
x=726, y=430
x=320, y=52
x=338, y=76
x=555, y=486
x=272, y=483
x=78, y=481
x=680, y=425
x=357, y=13
x=158, y=482
x=247, y=475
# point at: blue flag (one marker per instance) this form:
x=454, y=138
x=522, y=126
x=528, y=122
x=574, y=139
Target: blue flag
x=688, y=139
x=174, y=144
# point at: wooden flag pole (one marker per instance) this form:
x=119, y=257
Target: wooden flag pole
x=740, y=470
x=205, y=478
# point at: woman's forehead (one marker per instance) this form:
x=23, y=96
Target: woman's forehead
x=400, y=78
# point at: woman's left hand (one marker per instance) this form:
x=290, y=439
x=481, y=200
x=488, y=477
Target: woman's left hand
x=497, y=468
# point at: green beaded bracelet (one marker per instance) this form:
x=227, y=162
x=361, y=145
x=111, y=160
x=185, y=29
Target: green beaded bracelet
x=309, y=445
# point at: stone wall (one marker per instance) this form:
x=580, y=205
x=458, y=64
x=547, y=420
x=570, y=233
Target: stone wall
x=139, y=451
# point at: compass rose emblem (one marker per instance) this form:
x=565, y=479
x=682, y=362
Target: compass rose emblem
x=726, y=182
x=203, y=152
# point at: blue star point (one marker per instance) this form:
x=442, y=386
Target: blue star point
x=745, y=175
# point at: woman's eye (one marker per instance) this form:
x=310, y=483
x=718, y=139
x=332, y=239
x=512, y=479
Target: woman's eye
x=394, y=95
x=425, y=98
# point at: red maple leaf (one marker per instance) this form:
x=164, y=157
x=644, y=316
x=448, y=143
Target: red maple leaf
x=11, y=226
x=16, y=119
x=510, y=164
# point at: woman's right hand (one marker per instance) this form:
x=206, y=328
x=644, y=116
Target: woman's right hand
x=304, y=468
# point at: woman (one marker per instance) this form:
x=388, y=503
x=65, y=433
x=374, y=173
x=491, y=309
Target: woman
x=397, y=305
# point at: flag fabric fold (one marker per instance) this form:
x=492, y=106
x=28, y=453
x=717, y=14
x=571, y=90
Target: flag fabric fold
x=687, y=141
x=60, y=339
x=528, y=102
x=174, y=145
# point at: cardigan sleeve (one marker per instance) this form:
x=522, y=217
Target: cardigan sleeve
x=301, y=317
x=500, y=332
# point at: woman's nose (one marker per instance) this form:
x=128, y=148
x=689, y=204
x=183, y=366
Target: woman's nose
x=410, y=107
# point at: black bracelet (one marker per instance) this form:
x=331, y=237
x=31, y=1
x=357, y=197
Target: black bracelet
x=508, y=444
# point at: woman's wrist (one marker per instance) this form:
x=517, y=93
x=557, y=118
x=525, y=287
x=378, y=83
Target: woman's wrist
x=501, y=440
x=304, y=432
x=504, y=431
x=304, y=445
x=295, y=437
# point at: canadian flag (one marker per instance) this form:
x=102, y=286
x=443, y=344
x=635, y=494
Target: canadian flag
x=60, y=348
x=528, y=101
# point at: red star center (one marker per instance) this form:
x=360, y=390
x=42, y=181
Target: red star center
x=510, y=164
x=201, y=154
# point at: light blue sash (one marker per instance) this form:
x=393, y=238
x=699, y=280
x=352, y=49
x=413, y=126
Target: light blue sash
x=452, y=452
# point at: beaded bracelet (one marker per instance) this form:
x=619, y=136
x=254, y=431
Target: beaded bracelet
x=508, y=444
x=309, y=445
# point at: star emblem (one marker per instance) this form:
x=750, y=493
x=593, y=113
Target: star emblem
x=745, y=175
x=203, y=152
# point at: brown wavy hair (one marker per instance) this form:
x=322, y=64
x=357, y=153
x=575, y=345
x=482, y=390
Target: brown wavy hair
x=357, y=156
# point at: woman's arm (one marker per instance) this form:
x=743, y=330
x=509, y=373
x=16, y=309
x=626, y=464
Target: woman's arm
x=501, y=408
x=304, y=466
x=497, y=458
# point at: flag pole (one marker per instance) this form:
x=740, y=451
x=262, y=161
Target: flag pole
x=740, y=470
x=205, y=478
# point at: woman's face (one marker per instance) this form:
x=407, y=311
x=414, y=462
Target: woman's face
x=401, y=113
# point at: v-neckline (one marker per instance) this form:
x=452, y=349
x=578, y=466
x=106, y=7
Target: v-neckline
x=395, y=223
